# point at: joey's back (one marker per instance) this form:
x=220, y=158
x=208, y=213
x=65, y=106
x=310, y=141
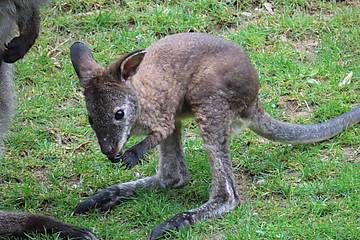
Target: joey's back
x=182, y=69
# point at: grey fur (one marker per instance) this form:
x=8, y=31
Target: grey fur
x=7, y=22
x=264, y=125
x=7, y=100
x=12, y=14
x=189, y=74
x=23, y=14
x=7, y=97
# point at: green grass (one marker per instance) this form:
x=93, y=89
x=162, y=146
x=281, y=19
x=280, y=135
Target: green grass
x=301, y=52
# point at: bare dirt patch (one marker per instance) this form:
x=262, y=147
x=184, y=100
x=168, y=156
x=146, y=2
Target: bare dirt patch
x=325, y=155
x=72, y=101
x=60, y=137
x=75, y=181
x=293, y=109
x=307, y=46
x=217, y=236
x=351, y=154
x=243, y=184
x=40, y=173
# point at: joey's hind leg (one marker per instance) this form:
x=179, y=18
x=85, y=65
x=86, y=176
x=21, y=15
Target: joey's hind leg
x=171, y=172
x=215, y=130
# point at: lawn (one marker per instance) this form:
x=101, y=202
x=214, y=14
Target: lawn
x=302, y=50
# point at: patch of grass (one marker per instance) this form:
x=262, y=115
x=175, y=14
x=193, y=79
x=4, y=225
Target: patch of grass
x=301, y=52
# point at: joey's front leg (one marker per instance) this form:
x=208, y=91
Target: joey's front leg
x=171, y=173
x=132, y=156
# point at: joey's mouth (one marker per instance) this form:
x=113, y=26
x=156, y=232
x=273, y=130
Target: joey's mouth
x=116, y=152
x=112, y=151
x=116, y=155
x=115, y=158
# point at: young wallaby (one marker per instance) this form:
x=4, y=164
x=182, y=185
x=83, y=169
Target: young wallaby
x=149, y=92
x=22, y=16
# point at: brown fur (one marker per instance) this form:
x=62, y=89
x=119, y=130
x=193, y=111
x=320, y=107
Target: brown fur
x=180, y=75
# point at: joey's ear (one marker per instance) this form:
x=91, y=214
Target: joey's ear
x=130, y=64
x=83, y=62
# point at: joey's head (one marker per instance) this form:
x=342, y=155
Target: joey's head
x=110, y=98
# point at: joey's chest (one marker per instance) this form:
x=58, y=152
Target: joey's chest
x=139, y=130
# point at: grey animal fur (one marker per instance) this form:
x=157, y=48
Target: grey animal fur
x=24, y=15
x=7, y=91
x=7, y=100
x=188, y=74
x=21, y=15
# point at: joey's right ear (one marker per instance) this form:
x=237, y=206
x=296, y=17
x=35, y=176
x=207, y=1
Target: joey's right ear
x=130, y=64
x=83, y=62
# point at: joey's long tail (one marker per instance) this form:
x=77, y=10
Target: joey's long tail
x=270, y=128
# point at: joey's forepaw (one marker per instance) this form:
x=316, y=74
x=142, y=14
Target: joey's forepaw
x=104, y=200
x=175, y=223
x=16, y=49
x=130, y=159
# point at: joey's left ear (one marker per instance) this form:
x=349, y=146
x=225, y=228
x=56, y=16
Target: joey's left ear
x=130, y=64
x=83, y=62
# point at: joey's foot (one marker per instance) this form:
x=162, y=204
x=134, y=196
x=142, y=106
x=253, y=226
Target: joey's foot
x=175, y=223
x=104, y=200
x=16, y=49
x=130, y=159
x=77, y=233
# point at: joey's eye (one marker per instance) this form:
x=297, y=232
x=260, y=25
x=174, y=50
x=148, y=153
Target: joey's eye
x=119, y=115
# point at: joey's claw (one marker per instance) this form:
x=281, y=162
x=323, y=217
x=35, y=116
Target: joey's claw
x=16, y=49
x=114, y=159
x=78, y=233
x=175, y=223
x=89, y=236
x=104, y=200
x=130, y=159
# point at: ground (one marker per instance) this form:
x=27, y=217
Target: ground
x=302, y=50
